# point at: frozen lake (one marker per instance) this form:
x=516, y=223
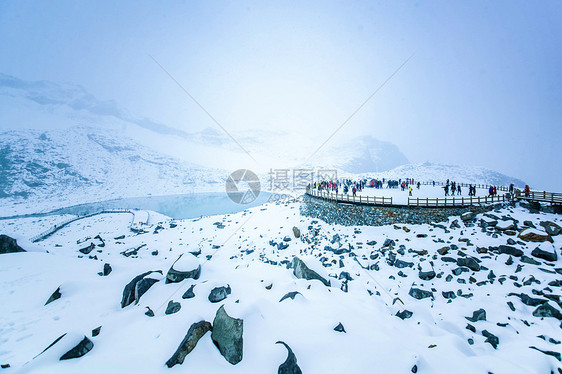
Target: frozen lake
x=183, y=206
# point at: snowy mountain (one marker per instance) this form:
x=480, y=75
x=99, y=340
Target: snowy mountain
x=45, y=105
x=81, y=164
x=440, y=173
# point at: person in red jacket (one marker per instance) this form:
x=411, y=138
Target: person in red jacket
x=527, y=190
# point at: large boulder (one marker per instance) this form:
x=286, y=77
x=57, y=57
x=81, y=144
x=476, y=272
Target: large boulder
x=227, y=336
x=512, y=251
x=290, y=365
x=133, y=290
x=468, y=216
x=547, y=310
x=419, y=294
x=195, y=332
x=534, y=235
x=301, y=271
x=9, y=245
x=186, y=266
x=551, y=228
x=477, y=315
x=545, y=255
x=469, y=262
x=67, y=346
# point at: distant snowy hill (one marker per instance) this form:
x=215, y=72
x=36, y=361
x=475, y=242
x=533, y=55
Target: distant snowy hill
x=81, y=164
x=45, y=105
x=439, y=172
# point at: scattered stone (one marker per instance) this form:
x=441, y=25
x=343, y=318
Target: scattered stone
x=149, y=312
x=301, y=271
x=533, y=235
x=512, y=251
x=551, y=228
x=468, y=216
x=186, y=266
x=339, y=328
x=79, y=350
x=509, y=261
x=389, y=243
x=448, y=294
x=290, y=295
x=219, y=294
x=173, y=307
x=189, y=293
x=415, y=369
x=403, y=264
x=443, y=251
x=404, y=314
x=427, y=275
x=106, y=270
x=290, y=365
x=491, y=338
x=419, y=294
x=96, y=331
x=547, y=310
x=511, y=306
x=470, y=327
x=227, y=336
x=9, y=245
x=478, y=315
x=195, y=332
x=54, y=296
x=88, y=249
x=548, y=256
x=469, y=262
x=296, y=232
x=131, y=291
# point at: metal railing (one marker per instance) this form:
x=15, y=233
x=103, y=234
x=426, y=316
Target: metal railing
x=345, y=198
x=457, y=201
x=62, y=224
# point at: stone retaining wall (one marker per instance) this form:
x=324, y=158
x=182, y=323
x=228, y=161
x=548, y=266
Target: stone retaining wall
x=357, y=215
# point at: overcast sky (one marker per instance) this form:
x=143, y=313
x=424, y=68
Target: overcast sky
x=483, y=86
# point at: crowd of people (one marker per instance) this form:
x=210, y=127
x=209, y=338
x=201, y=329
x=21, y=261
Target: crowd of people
x=451, y=188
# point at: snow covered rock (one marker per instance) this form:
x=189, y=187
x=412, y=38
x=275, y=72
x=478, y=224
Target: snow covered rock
x=186, y=266
x=219, y=294
x=195, y=332
x=290, y=365
x=533, y=235
x=301, y=271
x=9, y=245
x=133, y=291
x=468, y=216
x=227, y=336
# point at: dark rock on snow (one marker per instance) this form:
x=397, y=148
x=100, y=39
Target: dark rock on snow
x=339, y=328
x=290, y=365
x=189, y=293
x=548, y=256
x=227, y=336
x=173, y=307
x=132, y=293
x=219, y=294
x=290, y=295
x=79, y=350
x=491, y=338
x=195, y=332
x=416, y=293
x=547, y=310
x=478, y=315
x=301, y=271
x=512, y=251
x=9, y=245
x=404, y=314
x=54, y=296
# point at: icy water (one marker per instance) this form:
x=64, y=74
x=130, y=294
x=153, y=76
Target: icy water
x=174, y=206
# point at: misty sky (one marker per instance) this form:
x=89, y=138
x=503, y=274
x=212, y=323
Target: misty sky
x=483, y=86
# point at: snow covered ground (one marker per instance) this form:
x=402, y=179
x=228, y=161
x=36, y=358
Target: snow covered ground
x=250, y=252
